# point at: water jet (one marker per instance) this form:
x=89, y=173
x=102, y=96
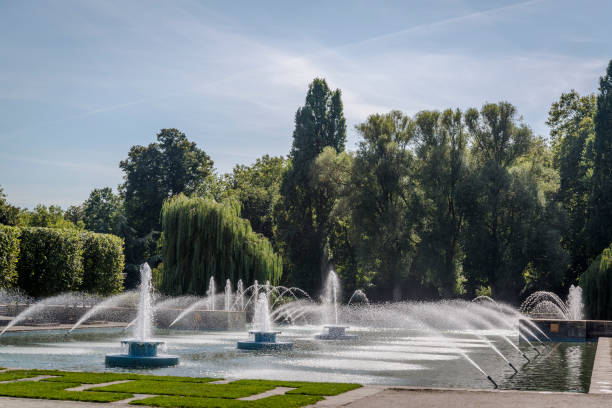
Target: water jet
x=142, y=351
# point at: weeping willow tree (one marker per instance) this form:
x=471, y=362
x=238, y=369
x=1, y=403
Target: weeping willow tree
x=203, y=238
x=596, y=284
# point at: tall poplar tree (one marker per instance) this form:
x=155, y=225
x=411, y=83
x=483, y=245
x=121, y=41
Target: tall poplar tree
x=303, y=214
x=600, y=219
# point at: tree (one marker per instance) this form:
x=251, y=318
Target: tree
x=153, y=173
x=204, y=239
x=331, y=174
x=387, y=206
x=75, y=215
x=102, y=211
x=9, y=214
x=600, y=208
x=302, y=215
x=442, y=172
x=571, y=120
x=507, y=207
x=257, y=187
x=43, y=216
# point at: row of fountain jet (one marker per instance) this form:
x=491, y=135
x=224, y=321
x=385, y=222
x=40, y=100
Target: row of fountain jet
x=290, y=305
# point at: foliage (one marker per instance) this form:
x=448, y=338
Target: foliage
x=387, y=206
x=442, y=171
x=204, y=239
x=596, y=284
x=600, y=205
x=103, y=263
x=302, y=215
x=160, y=170
x=102, y=211
x=9, y=214
x=510, y=222
x=257, y=187
x=571, y=120
x=9, y=254
x=47, y=217
x=50, y=261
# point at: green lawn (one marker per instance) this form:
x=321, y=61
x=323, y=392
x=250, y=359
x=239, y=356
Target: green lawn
x=285, y=401
x=177, y=392
x=188, y=389
x=56, y=391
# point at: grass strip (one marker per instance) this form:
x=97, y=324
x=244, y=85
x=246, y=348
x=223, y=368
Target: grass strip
x=285, y=401
x=188, y=389
x=304, y=388
x=17, y=375
x=98, y=378
x=56, y=391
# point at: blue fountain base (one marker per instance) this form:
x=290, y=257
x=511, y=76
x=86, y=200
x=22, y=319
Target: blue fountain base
x=264, y=341
x=141, y=354
x=127, y=361
x=335, y=333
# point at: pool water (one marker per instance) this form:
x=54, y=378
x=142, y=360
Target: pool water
x=379, y=356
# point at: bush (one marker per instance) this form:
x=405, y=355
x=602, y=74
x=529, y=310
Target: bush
x=50, y=261
x=596, y=284
x=9, y=254
x=103, y=263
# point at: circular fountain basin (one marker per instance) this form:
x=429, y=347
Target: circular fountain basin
x=335, y=332
x=141, y=354
x=264, y=340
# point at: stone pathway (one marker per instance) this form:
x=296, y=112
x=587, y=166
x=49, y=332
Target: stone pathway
x=275, y=391
x=40, y=377
x=601, y=378
x=88, y=386
x=134, y=398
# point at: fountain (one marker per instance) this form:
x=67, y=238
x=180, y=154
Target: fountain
x=210, y=293
x=330, y=300
x=542, y=304
x=228, y=296
x=264, y=338
x=142, y=351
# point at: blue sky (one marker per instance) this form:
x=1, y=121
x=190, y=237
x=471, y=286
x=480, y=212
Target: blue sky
x=83, y=81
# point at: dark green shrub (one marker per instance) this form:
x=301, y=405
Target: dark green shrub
x=50, y=261
x=103, y=263
x=596, y=284
x=202, y=238
x=9, y=254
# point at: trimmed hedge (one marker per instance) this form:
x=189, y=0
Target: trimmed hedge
x=596, y=284
x=9, y=254
x=103, y=263
x=50, y=261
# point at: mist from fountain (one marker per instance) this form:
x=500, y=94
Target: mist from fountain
x=43, y=306
x=107, y=303
x=359, y=295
